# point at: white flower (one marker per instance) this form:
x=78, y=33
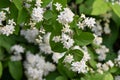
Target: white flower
x=17, y=49
x=110, y=63
x=56, y=39
x=46, y=38
x=67, y=41
x=83, y=16
x=101, y=51
x=90, y=22
x=45, y=48
x=37, y=14
x=17, y=57
x=117, y=77
x=58, y=6
x=2, y=17
x=7, y=30
x=30, y=34
x=97, y=40
x=56, y=56
x=81, y=25
x=79, y=67
x=100, y=71
x=68, y=58
x=36, y=67
x=38, y=3
x=65, y=16
x=105, y=67
x=107, y=29
x=97, y=29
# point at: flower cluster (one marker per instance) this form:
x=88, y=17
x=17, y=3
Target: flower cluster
x=36, y=67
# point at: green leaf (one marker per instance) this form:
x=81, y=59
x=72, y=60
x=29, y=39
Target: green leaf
x=60, y=78
x=84, y=38
x=62, y=2
x=108, y=77
x=6, y=42
x=18, y=4
x=52, y=75
x=65, y=70
x=4, y=3
x=2, y=55
x=22, y=16
x=86, y=8
x=45, y=2
x=98, y=76
x=15, y=69
x=77, y=54
x=79, y=1
x=1, y=69
x=116, y=18
x=116, y=9
x=99, y=7
x=48, y=14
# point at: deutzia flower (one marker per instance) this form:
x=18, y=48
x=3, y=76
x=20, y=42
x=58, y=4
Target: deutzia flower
x=36, y=67
x=56, y=56
x=110, y=63
x=45, y=46
x=16, y=49
x=68, y=58
x=90, y=22
x=37, y=14
x=67, y=41
x=30, y=34
x=2, y=17
x=97, y=40
x=65, y=16
x=9, y=28
x=81, y=25
x=56, y=39
x=79, y=67
x=58, y=6
x=117, y=77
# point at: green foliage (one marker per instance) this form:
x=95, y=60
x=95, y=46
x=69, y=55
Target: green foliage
x=60, y=78
x=116, y=9
x=18, y=4
x=99, y=7
x=97, y=76
x=84, y=38
x=77, y=54
x=15, y=69
x=1, y=69
x=6, y=42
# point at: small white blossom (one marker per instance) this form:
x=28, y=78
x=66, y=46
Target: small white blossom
x=65, y=16
x=79, y=67
x=58, y=6
x=37, y=14
x=81, y=25
x=36, y=67
x=90, y=22
x=97, y=40
x=17, y=49
x=56, y=56
x=105, y=67
x=7, y=30
x=30, y=34
x=117, y=77
x=68, y=58
x=107, y=29
x=110, y=63
x=56, y=39
x=2, y=17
